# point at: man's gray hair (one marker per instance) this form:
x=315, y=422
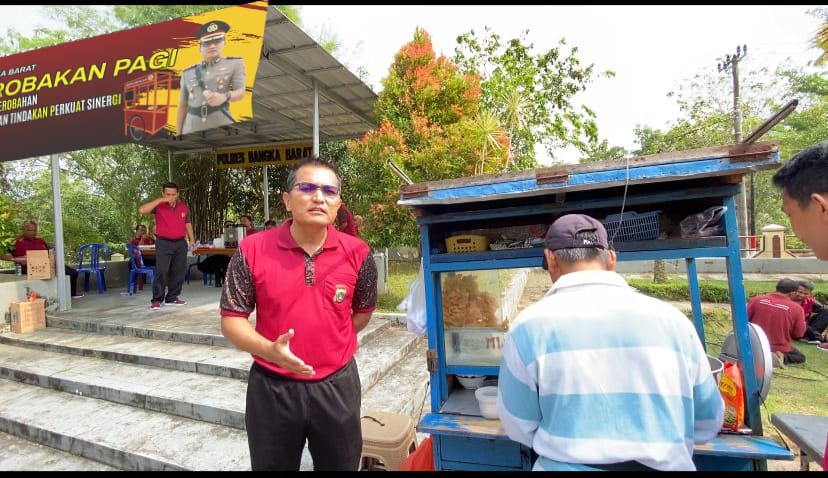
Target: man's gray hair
x=583, y=254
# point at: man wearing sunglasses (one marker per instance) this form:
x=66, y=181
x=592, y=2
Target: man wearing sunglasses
x=312, y=288
x=208, y=87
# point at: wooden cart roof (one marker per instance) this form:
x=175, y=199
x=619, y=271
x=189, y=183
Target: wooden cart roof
x=724, y=163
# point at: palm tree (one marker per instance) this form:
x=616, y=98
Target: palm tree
x=821, y=41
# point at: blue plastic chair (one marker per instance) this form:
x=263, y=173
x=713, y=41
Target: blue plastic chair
x=136, y=268
x=90, y=261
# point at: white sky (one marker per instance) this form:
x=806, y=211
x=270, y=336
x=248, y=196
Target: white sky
x=650, y=49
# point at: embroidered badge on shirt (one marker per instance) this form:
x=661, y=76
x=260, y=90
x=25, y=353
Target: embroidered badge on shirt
x=341, y=292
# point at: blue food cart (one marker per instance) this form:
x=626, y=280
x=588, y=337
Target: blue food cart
x=469, y=273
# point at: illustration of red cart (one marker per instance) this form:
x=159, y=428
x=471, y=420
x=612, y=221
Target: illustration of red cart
x=147, y=104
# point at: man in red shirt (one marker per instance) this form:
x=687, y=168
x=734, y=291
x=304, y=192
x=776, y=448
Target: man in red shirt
x=173, y=235
x=313, y=288
x=781, y=318
x=29, y=241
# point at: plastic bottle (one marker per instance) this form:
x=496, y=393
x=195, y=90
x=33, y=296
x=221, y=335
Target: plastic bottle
x=18, y=269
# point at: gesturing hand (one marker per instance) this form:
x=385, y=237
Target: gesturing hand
x=286, y=359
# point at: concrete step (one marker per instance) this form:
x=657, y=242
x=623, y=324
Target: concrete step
x=146, y=348
x=404, y=387
x=148, y=388
x=121, y=436
x=23, y=455
x=215, y=399
x=212, y=399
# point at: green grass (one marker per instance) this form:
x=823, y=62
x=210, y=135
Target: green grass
x=800, y=388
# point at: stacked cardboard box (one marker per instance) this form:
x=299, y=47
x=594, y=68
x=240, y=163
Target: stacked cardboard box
x=40, y=264
x=28, y=316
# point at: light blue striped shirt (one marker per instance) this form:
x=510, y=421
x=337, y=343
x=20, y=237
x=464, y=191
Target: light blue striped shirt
x=597, y=373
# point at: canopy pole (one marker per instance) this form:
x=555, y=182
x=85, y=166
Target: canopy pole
x=266, y=194
x=315, y=119
x=169, y=165
x=60, y=270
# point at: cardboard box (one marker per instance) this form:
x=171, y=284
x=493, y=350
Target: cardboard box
x=40, y=264
x=28, y=316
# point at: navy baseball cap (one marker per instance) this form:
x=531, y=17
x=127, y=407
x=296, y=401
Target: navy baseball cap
x=562, y=234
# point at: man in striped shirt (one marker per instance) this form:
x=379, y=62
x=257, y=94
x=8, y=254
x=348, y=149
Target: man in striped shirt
x=596, y=376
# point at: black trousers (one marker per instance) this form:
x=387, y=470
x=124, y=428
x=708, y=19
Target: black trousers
x=170, y=258
x=282, y=413
x=794, y=356
x=817, y=325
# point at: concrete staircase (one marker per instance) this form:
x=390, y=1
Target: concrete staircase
x=88, y=393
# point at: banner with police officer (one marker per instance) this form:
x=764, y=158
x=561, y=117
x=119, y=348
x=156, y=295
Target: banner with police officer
x=172, y=78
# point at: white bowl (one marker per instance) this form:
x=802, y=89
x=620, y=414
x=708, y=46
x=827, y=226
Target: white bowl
x=471, y=382
x=716, y=366
x=487, y=400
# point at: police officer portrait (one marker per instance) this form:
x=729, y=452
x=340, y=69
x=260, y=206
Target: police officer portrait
x=208, y=87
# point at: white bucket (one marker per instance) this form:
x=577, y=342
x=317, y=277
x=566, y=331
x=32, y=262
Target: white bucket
x=487, y=400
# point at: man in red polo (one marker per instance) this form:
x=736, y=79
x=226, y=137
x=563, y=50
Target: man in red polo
x=173, y=234
x=781, y=318
x=313, y=288
x=30, y=241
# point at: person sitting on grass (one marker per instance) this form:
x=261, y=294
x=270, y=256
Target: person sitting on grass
x=781, y=317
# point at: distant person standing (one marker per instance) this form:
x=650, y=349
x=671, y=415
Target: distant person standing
x=781, y=318
x=247, y=222
x=208, y=87
x=173, y=234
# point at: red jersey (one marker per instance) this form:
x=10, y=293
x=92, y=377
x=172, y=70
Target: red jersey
x=781, y=319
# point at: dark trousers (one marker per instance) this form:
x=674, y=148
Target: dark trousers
x=794, y=356
x=170, y=258
x=282, y=413
x=817, y=325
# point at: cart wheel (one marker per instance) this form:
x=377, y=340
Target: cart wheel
x=136, y=128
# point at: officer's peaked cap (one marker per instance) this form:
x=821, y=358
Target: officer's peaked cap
x=212, y=30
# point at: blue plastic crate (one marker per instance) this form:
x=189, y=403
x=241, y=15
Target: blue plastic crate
x=633, y=226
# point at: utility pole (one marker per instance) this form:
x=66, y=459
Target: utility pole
x=732, y=62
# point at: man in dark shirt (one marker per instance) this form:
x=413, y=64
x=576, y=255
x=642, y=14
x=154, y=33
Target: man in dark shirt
x=173, y=235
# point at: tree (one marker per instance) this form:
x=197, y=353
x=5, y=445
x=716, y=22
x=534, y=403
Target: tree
x=820, y=39
x=432, y=126
x=531, y=95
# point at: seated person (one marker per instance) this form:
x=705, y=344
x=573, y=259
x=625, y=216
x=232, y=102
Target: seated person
x=782, y=319
x=270, y=224
x=143, y=238
x=816, y=315
x=247, y=222
x=29, y=241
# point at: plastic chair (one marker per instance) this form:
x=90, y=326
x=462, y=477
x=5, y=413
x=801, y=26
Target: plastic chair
x=89, y=262
x=136, y=268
